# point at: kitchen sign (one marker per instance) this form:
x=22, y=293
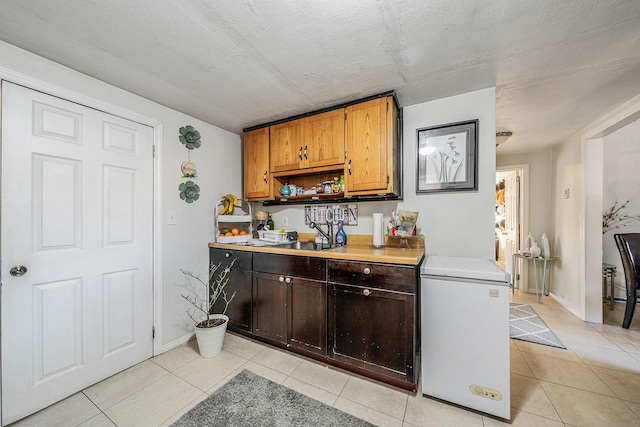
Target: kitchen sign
x=331, y=214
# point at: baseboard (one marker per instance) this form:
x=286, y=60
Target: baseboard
x=179, y=341
x=566, y=305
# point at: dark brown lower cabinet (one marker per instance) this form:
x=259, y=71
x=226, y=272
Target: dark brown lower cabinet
x=361, y=316
x=269, y=307
x=290, y=301
x=372, y=318
x=371, y=329
x=307, y=311
x=240, y=308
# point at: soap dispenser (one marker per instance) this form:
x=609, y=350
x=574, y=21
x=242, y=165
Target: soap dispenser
x=341, y=236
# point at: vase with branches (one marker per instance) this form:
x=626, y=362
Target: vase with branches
x=214, y=289
x=210, y=327
x=614, y=218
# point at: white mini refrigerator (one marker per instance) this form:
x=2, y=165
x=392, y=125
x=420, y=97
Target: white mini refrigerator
x=465, y=333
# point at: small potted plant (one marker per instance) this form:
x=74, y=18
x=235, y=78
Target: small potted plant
x=210, y=328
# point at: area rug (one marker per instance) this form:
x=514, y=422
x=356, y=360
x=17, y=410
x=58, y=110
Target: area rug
x=251, y=400
x=525, y=325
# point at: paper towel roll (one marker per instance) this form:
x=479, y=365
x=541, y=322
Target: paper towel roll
x=378, y=239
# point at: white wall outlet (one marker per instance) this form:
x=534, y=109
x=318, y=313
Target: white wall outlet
x=285, y=221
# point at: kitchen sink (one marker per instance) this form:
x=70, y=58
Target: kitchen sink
x=310, y=246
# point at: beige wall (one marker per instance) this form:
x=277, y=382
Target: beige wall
x=538, y=206
x=578, y=167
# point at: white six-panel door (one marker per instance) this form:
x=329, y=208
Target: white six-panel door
x=77, y=213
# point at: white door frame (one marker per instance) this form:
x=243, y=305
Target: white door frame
x=592, y=145
x=158, y=130
x=523, y=171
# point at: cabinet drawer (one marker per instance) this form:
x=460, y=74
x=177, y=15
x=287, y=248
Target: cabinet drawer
x=224, y=257
x=384, y=276
x=291, y=265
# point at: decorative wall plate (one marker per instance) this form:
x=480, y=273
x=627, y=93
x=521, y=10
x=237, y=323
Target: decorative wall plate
x=189, y=191
x=190, y=137
x=188, y=169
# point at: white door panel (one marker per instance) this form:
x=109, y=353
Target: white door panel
x=77, y=188
x=511, y=197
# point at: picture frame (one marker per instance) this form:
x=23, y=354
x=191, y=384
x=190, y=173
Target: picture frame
x=447, y=158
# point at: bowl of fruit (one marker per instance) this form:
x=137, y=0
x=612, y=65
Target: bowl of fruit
x=232, y=235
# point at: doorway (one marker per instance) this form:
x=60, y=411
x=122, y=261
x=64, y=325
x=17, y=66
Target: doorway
x=77, y=248
x=511, y=218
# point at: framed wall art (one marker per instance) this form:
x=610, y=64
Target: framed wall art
x=448, y=158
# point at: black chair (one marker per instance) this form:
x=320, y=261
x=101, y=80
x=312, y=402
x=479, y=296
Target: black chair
x=629, y=247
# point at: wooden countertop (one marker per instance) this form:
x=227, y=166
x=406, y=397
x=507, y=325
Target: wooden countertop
x=357, y=251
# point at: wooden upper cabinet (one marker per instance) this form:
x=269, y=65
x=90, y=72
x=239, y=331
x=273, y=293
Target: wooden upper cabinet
x=310, y=142
x=323, y=139
x=257, y=177
x=372, y=148
x=286, y=146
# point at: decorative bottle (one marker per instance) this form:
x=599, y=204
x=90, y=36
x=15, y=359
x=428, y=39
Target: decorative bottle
x=270, y=223
x=529, y=242
x=341, y=236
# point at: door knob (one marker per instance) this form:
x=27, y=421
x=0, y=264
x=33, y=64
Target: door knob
x=18, y=270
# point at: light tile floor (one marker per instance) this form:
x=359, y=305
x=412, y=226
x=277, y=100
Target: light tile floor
x=595, y=382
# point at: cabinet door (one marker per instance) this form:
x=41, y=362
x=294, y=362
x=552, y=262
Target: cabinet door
x=307, y=315
x=369, y=142
x=372, y=329
x=239, y=310
x=324, y=139
x=257, y=178
x=269, y=307
x=286, y=146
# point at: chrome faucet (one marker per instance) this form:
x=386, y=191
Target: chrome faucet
x=328, y=236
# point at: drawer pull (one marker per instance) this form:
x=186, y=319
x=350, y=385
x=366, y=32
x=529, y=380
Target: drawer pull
x=227, y=254
x=367, y=270
x=281, y=279
x=366, y=292
x=288, y=280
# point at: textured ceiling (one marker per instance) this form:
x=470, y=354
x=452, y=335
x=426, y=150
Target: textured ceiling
x=556, y=64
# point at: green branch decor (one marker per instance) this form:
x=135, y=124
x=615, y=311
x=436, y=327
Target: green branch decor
x=203, y=307
x=614, y=218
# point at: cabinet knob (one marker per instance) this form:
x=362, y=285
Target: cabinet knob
x=227, y=254
x=367, y=270
x=288, y=280
x=366, y=292
x=281, y=279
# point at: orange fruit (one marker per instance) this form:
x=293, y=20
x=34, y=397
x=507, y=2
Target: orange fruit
x=235, y=232
x=229, y=234
x=243, y=233
x=222, y=234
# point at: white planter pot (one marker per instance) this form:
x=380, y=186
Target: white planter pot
x=210, y=339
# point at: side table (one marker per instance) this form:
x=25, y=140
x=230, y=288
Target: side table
x=539, y=291
x=608, y=273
